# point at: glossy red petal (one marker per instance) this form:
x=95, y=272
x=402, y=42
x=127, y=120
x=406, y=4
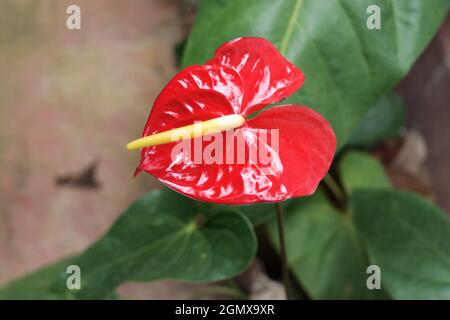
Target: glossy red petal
x=267, y=76
x=245, y=75
x=197, y=93
x=307, y=144
x=306, y=148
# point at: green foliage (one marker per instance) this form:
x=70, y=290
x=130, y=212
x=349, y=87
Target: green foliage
x=163, y=235
x=347, y=66
x=324, y=251
x=405, y=235
x=256, y=213
x=408, y=237
x=383, y=120
x=37, y=285
x=360, y=170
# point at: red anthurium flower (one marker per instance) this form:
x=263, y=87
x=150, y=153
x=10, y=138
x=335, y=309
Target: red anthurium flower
x=284, y=151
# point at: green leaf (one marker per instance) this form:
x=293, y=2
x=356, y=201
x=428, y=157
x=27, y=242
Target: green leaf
x=256, y=213
x=383, y=120
x=324, y=251
x=164, y=235
x=37, y=285
x=361, y=170
x=347, y=65
x=409, y=239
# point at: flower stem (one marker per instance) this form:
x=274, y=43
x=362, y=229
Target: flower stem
x=335, y=189
x=283, y=252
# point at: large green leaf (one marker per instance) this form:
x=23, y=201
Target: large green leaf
x=347, y=65
x=164, y=235
x=37, y=285
x=383, y=120
x=40, y=284
x=256, y=213
x=360, y=170
x=324, y=250
x=409, y=239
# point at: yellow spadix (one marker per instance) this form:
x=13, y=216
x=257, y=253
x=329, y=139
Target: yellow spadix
x=189, y=132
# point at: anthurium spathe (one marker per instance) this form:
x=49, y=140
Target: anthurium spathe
x=283, y=152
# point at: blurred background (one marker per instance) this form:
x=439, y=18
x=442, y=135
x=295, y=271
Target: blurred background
x=71, y=99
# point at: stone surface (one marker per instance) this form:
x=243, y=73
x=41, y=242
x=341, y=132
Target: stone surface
x=426, y=91
x=68, y=98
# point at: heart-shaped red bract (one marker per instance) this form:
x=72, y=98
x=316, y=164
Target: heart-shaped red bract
x=244, y=76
